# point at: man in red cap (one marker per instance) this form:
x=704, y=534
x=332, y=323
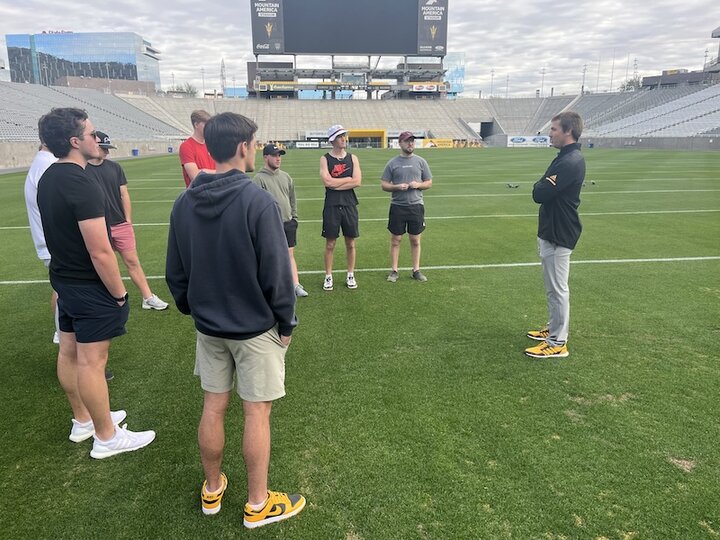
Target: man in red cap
x=406, y=176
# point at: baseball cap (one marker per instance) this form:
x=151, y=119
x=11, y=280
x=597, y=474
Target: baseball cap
x=334, y=131
x=405, y=135
x=104, y=140
x=272, y=150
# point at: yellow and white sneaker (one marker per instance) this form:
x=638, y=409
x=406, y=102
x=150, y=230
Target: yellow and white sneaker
x=212, y=502
x=548, y=350
x=278, y=506
x=539, y=335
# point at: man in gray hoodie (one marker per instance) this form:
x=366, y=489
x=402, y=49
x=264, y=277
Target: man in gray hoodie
x=228, y=267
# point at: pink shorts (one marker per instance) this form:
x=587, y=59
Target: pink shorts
x=123, y=237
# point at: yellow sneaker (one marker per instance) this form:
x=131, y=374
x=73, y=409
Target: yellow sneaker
x=279, y=506
x=548, y=350
x=539, y=335
x=211, y=502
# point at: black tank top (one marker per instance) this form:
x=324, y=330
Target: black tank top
x=340, y=168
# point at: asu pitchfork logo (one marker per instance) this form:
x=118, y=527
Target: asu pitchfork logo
x=433, y=31
x=268, y=29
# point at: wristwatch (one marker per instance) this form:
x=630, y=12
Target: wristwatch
x=123, y=298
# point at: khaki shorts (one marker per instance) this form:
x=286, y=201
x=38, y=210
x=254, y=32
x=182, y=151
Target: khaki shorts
x=256, y=365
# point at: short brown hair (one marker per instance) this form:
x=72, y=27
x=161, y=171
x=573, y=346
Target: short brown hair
x=570, y=121
x=224, y=132
x=59, y=126
x=199, y=116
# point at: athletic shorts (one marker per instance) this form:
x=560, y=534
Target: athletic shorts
x=255, y=365
x=291, y=228
x=123, y=237
x=335, y=217
x=406, y=218
x=90, y=312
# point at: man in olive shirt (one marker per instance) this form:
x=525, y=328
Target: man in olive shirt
x=281, y=186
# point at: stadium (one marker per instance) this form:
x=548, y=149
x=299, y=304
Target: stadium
x=411, y=411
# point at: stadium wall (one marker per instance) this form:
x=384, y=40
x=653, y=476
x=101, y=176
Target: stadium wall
x=19, y=155
x=659, y=143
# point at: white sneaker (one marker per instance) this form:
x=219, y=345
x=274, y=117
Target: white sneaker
x=124, y=440
x=328, y=283
x=154, y=303
x=56, y=338
x=83, y=431
x=300, y=291
x=351, y=283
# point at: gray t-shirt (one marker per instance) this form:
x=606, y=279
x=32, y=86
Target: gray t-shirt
x=402, y=170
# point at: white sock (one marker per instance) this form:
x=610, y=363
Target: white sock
x=351, y=274
x=259, y=506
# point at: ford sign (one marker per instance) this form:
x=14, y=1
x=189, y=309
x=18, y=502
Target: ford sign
x=518, y=140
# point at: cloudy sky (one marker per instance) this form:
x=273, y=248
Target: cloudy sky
x=508, y=45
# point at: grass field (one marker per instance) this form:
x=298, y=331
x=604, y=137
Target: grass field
x=411, y=411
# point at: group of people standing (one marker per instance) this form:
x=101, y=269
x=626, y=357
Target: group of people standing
x=406, y=176
x=230, y=266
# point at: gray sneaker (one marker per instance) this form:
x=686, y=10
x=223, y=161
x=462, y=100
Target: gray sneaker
x=124, y=440
x=419, y=276
x=300, y=291
x=393, y=276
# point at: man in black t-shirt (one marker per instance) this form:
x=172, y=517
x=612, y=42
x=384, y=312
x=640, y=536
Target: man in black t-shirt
x=92, y=304
x=111, y=178
x=340, y=173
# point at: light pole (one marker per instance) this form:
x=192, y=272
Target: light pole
x=492, y=80
x=234, y=90
x=542, y=81
x=202, y=73
x=507, y=85
x=172, y=74
x=582, y=87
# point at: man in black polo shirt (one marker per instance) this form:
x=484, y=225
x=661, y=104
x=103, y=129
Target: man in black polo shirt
x=558, y=194
x=92, y=304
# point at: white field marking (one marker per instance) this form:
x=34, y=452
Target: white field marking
x=478, y=216
x=453, y=267
x=468, y=195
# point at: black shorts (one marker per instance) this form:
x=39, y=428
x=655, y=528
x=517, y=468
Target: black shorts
x=291, y=228
x=335, y=217
x=406, y=218
x=89, y=311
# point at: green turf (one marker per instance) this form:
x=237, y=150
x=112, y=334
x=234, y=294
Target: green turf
x=411, y=411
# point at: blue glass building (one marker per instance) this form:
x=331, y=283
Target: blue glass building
x=44, y=58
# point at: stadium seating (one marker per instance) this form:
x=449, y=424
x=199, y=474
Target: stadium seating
x=656, y=121
x=23, y=105
x=666, y=112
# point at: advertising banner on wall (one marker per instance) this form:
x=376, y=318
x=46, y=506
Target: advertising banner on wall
x=538, y=141
x=267, y=26
x=432, y=27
